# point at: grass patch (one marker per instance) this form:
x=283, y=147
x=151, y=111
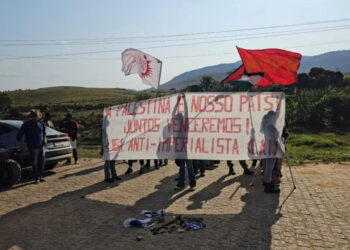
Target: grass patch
x=317, y=148
x=89, y=152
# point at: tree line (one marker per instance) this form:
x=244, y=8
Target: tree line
x=319, y=100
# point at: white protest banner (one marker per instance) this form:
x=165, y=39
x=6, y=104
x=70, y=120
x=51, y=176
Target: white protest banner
x=208, y=126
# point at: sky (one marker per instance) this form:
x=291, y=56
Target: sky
x=45, y=43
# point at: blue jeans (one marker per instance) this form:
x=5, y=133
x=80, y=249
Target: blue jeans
x=110, y=170
x=37, y=156
x=191, y=177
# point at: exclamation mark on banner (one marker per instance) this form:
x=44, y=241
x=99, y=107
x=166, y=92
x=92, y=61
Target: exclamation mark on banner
x=212, y=145
x=147, y=145
x=247, y=126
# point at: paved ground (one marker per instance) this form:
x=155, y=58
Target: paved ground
x=53, y=215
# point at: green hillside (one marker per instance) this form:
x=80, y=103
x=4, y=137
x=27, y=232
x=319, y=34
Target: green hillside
x=70, y=96
x=85, y=104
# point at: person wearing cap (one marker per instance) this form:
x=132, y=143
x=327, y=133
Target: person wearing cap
x=34, y=133
x=71, y=128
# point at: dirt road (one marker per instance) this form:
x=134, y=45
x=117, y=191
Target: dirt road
x=74, y=209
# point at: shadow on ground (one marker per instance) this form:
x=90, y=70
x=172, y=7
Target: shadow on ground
x=69, y=221
x=26, y=179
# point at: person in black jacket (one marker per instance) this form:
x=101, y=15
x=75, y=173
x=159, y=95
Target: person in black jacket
x=71, y=128
x=34, y=133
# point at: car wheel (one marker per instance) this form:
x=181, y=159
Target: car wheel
x=10, y=173
x=51, y=166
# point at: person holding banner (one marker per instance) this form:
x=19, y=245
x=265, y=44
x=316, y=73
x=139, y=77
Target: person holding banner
x=268, y=128
x=109, y=166
x=243, y=165
x=142, y=165
x=129, y=170
x=110, y=172
x=199, y=166
x=184, y=162
x=147, y=165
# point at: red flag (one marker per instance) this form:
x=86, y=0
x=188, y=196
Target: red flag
x=240, y=75
x=277, y=66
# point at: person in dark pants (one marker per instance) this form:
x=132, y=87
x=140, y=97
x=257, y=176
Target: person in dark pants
x=110, y=172
x=243, y=165
x=129, y=170
x=35, y=139
x=181, y=180
x=142, y=166
x=183, y=163
x=109, y=166
x=157, y=163
x=163, y=162
x=71, y=128
x=198, y=166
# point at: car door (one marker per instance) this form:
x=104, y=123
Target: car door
x=7, y=137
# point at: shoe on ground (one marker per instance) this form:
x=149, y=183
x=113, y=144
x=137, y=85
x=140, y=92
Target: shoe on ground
x=109, y=180
x=117, y=178
x=248, y=172
x=202, y=175
x=179, y=187
x=271, y=188
x=191, y=189
x=129, y=171
x=76, y=162
x=36, y=182
x=42, y=180
x=141, y=171
x=232, y=173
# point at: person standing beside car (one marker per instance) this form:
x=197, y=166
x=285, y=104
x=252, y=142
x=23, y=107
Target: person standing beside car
x=71, y=128
x=35, y=138
x=48, y=120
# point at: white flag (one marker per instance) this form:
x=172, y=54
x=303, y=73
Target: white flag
x=146, y=66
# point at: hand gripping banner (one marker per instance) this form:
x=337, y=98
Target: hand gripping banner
x=208, y=126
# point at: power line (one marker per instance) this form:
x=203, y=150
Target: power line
x=174, y=40
x=188, y=56
x=172, y=45
x=179, y=35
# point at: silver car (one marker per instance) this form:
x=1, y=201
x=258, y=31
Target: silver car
x=58, y=147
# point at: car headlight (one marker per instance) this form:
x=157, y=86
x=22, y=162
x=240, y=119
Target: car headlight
x=50, y=145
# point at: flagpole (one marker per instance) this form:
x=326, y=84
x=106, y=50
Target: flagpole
x=160, y=74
